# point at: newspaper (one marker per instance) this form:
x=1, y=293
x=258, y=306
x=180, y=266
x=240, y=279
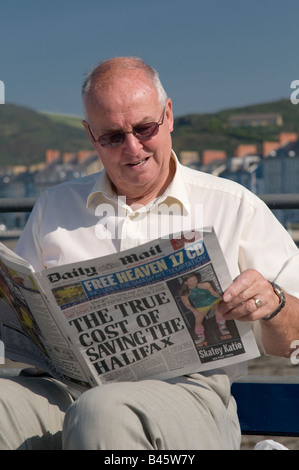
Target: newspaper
x=122, y=317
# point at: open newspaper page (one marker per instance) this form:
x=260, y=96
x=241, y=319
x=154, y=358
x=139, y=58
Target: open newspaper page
x=26, y=326
x=134, y=315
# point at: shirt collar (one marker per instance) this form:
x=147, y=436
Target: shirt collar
x=175, y=192
x=101, y=189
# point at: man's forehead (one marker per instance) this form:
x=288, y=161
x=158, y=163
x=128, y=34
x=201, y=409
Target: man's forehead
x=122, y=100
x=119, y=79
x=115, y=79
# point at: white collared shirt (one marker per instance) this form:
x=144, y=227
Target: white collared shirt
x=83, y=219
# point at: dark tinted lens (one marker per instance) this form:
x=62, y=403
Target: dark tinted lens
x=112, y=140
x=142, y=132
x=146, y=130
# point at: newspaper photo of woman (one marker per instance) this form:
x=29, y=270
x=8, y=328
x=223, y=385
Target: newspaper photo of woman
x=200, y=298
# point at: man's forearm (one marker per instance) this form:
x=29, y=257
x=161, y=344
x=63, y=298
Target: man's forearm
x=279, y=332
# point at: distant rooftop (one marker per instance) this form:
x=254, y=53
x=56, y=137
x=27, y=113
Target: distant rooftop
x=259, y=119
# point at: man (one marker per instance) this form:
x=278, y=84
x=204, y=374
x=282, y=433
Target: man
x=129, y=119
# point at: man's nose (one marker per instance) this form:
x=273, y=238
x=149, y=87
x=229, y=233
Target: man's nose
x=131, y=144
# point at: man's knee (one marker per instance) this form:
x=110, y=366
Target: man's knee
x=148, y=415
x=99, y=404
x=32, y=413
x=105, y=417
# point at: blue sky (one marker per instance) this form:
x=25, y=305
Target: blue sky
x=211, y=54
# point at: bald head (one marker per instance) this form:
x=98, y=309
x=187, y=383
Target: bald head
x=109, y=73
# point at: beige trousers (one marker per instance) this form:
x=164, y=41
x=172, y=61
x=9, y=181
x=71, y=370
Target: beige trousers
x=194, y=412
x=32, y=411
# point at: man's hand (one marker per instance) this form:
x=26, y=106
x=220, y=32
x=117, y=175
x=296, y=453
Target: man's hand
x=250, y=297
x=240, y=302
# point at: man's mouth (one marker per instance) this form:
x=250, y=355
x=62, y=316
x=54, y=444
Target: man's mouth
x=140, y=162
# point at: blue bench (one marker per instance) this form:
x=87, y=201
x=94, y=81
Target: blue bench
x=268, y=405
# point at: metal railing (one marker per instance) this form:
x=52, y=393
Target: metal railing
x=16, y=204
x=273, y=201
x=281, y=201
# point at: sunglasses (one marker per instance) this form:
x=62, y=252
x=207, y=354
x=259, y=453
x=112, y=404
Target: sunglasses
x=142, y=132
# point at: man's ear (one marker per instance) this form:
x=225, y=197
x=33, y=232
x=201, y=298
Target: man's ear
x=169, y=114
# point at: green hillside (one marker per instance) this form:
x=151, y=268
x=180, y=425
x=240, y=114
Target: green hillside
x=212, y=131
x=25, y=134
x=73, y=121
